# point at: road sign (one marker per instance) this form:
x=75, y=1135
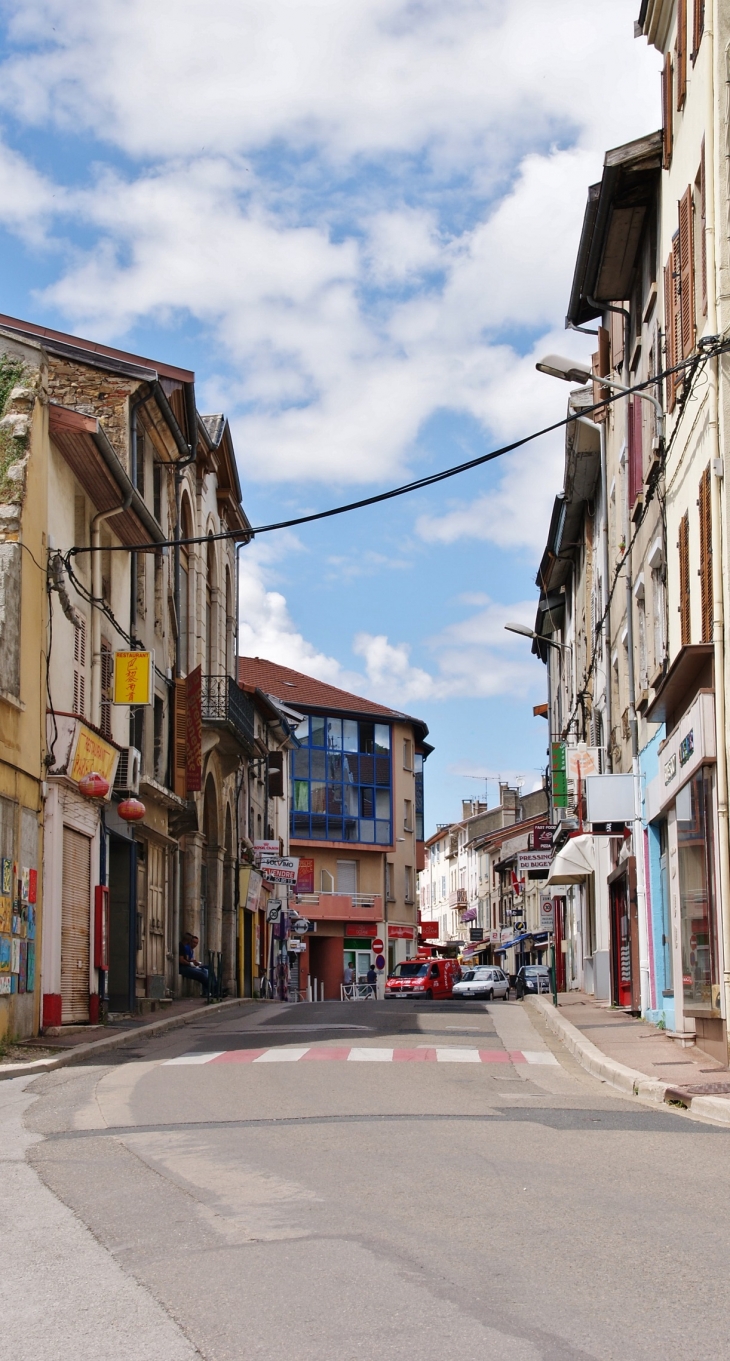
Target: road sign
x=380, y=962
x=547, y=914
x=377, y=946
x=273, y=909
x=301, y=926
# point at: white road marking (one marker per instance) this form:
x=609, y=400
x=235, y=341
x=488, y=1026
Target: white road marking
x=362, y=1055
x=540, y=1056
x=282, y=1055
x=195, y=1058
x=458, y=1056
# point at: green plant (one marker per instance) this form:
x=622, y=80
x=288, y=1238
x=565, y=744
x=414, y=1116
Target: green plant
x=12, y=371
x=661, y=1023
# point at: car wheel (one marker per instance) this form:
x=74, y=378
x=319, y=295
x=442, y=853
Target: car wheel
x=506, y=995
x=490, y=995
x=429, y=994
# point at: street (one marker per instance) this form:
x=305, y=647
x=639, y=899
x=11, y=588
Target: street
x=436, y=1180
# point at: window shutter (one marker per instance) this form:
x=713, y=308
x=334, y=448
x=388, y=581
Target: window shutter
x=107, y=670
x=681, y=53
x=684, y=598
x=636, y=461
x=706, y=555
x=698, y=27
x=703, y=227
x=80, y=669
x=601, y=363
x=671, y=320
x=179, y=773
x=667, y=112
x=687, y=273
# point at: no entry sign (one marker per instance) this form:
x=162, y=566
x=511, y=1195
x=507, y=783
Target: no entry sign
x=377, y=946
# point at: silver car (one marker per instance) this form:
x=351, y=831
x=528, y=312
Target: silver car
x=483, y=981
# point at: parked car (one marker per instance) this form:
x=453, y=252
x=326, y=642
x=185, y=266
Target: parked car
x=422, y=977
x=482, y=981
x=532, y=978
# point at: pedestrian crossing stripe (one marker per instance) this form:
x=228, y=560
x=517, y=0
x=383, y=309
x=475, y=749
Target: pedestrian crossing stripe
x=367, y=1054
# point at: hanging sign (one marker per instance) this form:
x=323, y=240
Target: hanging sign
x=134, y=678
x=91, y=753
x=280, y=869
x=305, y=877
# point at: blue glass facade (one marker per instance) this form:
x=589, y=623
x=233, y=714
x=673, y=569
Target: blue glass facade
x=341, y=781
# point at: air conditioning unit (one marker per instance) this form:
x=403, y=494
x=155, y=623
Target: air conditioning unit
x=129, y=769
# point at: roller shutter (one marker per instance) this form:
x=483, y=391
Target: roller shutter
x=75, y=927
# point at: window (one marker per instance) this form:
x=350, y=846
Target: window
x=407, y=815
x=157, y=491
x=390, y=895
x=667, y=112
x=698, y=27
x=407, y=754
x=681, y=48
x=341, y=781
x=418, y=767
x=695, y=854
x=672, y=320
x=159, y=730
x=79, y=699
x=636, y=454
x=686, y=273
x=210, y=667
x=706, y=555
x=659, y=612
x=641, y=630
x=684, y=596
x=408, y=880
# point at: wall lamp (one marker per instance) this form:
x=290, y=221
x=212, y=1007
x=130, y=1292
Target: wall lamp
x=557, y=366
x=526, y=632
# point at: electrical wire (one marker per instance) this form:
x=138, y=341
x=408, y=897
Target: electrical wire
x=719, y=347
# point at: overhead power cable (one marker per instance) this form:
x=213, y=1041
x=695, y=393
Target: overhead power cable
x=719, y=347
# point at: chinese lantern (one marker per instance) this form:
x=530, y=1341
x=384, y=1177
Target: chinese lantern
x=93, y=786
x=131, y=810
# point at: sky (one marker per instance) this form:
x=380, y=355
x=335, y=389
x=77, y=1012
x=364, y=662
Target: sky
x=357, y=221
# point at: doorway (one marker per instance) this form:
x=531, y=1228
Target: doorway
x=622, y=944
x=122, y=924
x=75, y=927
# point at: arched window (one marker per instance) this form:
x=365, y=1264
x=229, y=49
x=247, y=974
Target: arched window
x=210, y=657
x=186, y=532
x=230, y=626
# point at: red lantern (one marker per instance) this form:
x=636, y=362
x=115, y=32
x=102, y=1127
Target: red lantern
x=93, y=786
x=131, y=810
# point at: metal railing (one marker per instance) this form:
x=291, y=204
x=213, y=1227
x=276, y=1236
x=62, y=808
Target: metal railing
x=357, y=899
x=357, y=992
x=224, y=702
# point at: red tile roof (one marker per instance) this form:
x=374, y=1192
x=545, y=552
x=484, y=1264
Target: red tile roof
x=305, y=693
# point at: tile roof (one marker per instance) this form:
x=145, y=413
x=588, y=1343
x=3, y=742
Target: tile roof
x=214, y=426
x=304, y=692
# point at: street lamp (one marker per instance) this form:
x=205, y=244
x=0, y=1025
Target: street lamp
x=557, y=366
x=526, y=632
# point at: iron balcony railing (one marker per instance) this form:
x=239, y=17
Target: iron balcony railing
x=224, y=702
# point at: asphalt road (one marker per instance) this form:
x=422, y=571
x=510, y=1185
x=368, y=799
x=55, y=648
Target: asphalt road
x=381, y=1179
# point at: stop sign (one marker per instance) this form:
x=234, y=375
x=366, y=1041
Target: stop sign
x=377, y=946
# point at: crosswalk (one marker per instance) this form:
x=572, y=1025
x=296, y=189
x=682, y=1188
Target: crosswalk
x=366, y=1054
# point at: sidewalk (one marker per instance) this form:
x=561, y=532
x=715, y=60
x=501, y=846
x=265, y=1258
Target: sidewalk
x=636, y=1057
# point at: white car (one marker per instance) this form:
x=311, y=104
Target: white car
x=482, y=981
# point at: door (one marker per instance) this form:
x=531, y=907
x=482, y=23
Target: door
x=75, y=927
x=362, y=964
x=122, y=932
x=156, y=896
x=621, y=942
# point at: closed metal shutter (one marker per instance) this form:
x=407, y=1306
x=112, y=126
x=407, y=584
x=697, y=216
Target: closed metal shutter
x=75, y=927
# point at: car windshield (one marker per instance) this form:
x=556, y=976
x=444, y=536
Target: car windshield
x=414, y=970
x=483, y=973
x=467, y=976
x=532, y=970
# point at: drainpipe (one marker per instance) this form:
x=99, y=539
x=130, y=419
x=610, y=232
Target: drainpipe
x=712, y=140
x=96, y=593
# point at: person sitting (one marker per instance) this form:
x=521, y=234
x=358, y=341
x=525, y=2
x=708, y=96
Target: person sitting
x=190, y=967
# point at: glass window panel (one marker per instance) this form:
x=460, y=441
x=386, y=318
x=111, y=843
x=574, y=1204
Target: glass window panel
x=319, y=765
x=318, y=730
x=334, y=798
x=301, y=796
x=382, y=803
x=382, y=833
x=367, y=830
x=382, y=737
x=695, y=852
x=319, y=828
x=367, y=738
x=335, y=829
x=349, y=734
x=350, y=830
x=382, y=770
x=300, y=823
x=318, y=796
x=349, y=769
x=351, y=800
x=367, y=803
x=367, y=770
x=334, y=767
x=302, y=730
x=334, y=734
x=418, y=763
x=300, y=763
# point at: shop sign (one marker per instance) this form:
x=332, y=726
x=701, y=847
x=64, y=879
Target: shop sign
x=541, y=837
x=305, y=877
x=400, y=932
x=267, y=847
x=686, y=747
x=354, y=929
x=495, y=937
x=134, y=674
x=91, y=753
x=559, y=777
x=506, y=933
x=476, y=933
x=249, y=887
x=534, y=860
x=280, y=869
x=670, y=768
x=429, y=930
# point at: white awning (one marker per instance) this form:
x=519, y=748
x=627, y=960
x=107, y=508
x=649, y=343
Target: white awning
x=574, y=862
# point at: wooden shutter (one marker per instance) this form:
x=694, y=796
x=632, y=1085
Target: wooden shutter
x=601, y=363
x=180, y=720
x=681, y=53
x=706, y=555
x=80, y=669
x=75, y=927
x=107, y=671
x=636, y=460
x=684, y=597
x=686, y=273
x=698, y=27
x=703, y=227
x=671, y=320
x=667, y=112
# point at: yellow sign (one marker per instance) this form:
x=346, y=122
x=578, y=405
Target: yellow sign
x=93, y=754
x=134, y=677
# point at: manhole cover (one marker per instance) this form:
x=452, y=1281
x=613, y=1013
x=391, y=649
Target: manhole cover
x=708, y=1089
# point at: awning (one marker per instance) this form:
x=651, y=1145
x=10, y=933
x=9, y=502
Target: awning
x=574, y=862
x=507, y=944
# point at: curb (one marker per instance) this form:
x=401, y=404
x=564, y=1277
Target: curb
x=628, y=1080
x=83, y=1051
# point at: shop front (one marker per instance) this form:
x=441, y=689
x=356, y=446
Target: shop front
x=681, y=806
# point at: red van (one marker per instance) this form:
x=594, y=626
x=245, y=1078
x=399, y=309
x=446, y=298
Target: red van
x=423, y=976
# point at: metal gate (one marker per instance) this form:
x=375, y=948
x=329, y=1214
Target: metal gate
x=75, y=927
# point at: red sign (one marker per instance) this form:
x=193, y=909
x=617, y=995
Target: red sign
x=429, y=930
x=354, y=929
x=194, y=732
x=400, y=932
x=542, y=836
x=305, y=877
x=377, y=945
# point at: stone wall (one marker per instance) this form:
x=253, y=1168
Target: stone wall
x=96, y=393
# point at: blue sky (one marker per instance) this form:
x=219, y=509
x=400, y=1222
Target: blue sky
x=356, y=220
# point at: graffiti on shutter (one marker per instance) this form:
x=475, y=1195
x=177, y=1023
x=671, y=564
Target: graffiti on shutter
x=75, y=924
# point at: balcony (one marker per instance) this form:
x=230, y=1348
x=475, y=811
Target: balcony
x=350, y=907
x=459, y=898
x=225, y=706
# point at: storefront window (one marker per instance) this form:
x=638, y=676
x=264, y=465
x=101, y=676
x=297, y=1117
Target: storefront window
x=695, y=848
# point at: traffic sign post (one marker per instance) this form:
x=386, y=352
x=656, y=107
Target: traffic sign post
x=377, y=945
